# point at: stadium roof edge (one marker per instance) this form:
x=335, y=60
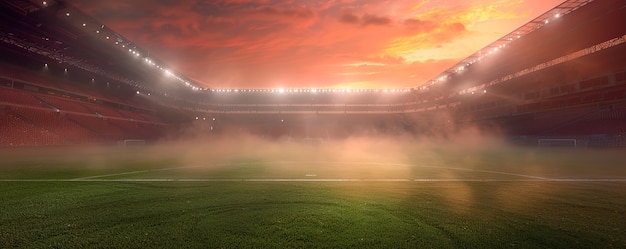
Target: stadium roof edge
x=122, y=42
x=560, y=10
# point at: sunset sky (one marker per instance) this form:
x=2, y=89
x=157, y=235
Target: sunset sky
x=312, y=43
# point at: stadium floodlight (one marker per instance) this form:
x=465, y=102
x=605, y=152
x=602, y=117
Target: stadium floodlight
x=557, y=15
x=67, y=13
x=281, y=90
x=84, y=25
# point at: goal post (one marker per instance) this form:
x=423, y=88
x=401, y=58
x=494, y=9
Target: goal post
x=557, y=143
x=132, y=142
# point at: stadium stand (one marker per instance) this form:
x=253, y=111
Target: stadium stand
x=61, y=85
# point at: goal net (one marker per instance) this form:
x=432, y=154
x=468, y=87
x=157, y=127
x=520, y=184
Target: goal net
x=557, y=143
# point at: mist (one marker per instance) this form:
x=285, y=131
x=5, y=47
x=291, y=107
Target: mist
x=385, y=146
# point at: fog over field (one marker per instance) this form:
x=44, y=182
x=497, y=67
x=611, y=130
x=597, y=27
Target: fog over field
x=199, y=144
x=466, y=189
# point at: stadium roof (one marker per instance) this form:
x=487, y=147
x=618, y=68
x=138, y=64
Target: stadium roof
x=97, y=29
x=544, y=19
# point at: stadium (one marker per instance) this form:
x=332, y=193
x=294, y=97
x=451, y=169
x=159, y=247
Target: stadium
x=519, y=144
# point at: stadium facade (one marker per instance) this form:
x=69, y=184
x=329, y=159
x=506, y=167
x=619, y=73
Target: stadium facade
x=65, y=78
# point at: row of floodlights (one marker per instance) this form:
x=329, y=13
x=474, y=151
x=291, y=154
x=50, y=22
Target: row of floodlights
x=148, y=60
x=282, y=90
x=462, y=68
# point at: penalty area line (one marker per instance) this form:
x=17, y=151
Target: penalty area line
x=317, y=180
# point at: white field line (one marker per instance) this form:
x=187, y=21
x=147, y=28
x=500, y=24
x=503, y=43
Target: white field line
x=525, y=178
x=576, y=180
x=316, y=162
x=134, y=172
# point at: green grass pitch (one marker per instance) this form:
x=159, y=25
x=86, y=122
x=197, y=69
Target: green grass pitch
x=313, y=196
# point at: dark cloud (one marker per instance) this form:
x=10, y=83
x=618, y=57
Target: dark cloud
x=375, y=20
x=207, y=9
x=291, y=43
x=419, y=26
x=456, y=27
x=349, y=18
x=365, y=20
x=287, y=12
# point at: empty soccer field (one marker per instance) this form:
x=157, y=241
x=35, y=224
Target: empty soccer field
x=346, y=194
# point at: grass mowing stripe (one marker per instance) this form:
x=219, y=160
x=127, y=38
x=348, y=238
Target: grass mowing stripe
x=294, y=214
x=316, y=162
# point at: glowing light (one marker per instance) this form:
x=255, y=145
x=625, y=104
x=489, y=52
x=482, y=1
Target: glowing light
x=67, y=13
x=281, y=90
